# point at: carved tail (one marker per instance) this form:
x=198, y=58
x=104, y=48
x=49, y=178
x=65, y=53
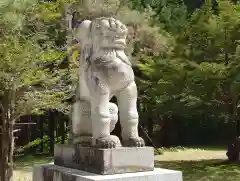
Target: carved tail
x=74, y=114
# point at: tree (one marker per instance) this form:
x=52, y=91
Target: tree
x=26, y=82
x=196, y=79
x=171, y=15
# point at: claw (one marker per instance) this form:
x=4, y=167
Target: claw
x=134, y=142
x=108, y=142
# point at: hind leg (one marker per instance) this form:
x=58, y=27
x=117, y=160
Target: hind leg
x=82, y=125
x=81, y=117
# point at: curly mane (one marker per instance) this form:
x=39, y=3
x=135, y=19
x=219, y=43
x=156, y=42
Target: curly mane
x=105, y=38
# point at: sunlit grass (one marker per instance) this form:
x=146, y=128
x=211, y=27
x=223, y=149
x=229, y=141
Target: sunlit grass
x=206, y=170
x=27, y=162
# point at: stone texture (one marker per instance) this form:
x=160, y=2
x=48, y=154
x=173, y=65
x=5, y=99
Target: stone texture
x=57, y=173
x=105, y=71
x=105, y=161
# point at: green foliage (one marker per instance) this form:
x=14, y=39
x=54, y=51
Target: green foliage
x=210, y=37
x=37, y=143
x=190, y=62
x=24, y=71
x=197, y=81
x=169, y=14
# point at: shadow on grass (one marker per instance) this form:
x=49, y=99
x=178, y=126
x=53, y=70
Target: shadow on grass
x=205, y=170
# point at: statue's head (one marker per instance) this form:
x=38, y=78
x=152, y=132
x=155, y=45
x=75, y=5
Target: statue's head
x=102, y=33
x=111, y=33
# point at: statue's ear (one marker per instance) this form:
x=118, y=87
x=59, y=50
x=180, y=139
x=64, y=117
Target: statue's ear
x=76, y=21
x=81, y=32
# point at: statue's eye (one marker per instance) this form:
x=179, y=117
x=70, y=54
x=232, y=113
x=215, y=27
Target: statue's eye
x=97, y=26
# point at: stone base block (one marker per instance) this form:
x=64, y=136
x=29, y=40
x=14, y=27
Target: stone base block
x=52, y=172
x=105, y=161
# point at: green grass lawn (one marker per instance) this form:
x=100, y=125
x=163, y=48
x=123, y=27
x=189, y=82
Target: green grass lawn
x=205, y=170
x=200, y=164
x=27, y=162
x=23, y=166
x=196, y=165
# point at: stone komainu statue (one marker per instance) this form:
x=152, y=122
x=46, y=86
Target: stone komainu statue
x=105, y=71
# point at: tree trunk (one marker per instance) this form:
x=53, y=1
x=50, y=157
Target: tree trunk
x=162, y=133
x=2, y=144
x=3, y=160
x=51, y=131
x=62, y=129
x=6, y=145
x=41, y=122
x=150, y=128
x=10, y=151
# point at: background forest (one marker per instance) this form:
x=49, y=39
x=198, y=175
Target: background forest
x=186, y=58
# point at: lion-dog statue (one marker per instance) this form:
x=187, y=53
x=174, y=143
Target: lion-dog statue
x=105, y=71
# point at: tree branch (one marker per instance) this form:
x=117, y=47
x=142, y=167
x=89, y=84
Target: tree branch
x=17, y=117
x=16, y=130
x=121, y=4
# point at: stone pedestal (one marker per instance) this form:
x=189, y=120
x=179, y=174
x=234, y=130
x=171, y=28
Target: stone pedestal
x=78, y=163
x=57, y=173
x=105, y=161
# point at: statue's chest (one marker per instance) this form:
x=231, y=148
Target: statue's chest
x=107, y=65
x=112, y=71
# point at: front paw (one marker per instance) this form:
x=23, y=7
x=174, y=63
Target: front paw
x=83, y=140
x=134, y=142
x=108, y=142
